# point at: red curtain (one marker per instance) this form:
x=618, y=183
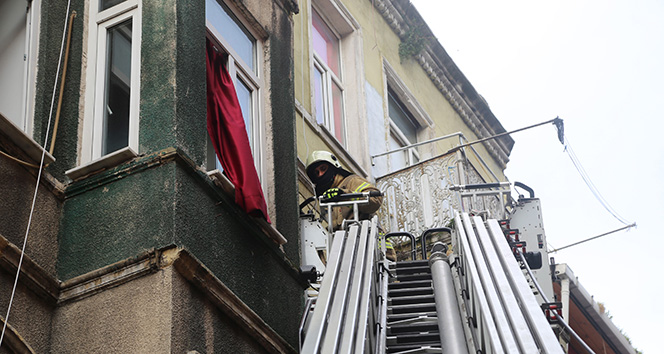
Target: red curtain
x=229, y=136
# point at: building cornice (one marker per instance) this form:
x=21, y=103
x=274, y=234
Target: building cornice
x=449, y=80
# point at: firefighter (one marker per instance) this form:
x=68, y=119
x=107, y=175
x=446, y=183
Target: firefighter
x=331, y=180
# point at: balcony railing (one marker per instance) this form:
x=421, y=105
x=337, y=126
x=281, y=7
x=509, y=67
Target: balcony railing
x=419, y=197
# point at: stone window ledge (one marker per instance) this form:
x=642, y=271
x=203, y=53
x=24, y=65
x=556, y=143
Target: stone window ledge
x=111, y=160
x=228, y=188
x=24, y=142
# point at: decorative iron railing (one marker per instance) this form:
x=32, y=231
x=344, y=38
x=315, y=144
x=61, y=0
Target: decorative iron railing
x=418, y=197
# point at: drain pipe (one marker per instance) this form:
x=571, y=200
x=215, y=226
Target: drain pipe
x=450, y=327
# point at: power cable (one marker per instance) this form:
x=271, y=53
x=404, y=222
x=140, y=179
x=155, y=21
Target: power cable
x=591, y=185
x=41, y=164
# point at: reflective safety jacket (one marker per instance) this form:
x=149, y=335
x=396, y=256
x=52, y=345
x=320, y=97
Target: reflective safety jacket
x=354, y=184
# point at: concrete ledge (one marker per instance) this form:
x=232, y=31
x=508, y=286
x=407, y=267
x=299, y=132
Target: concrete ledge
x=32, y=275
x=112, y=275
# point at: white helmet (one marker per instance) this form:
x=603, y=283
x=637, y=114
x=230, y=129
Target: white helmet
x=322, y=155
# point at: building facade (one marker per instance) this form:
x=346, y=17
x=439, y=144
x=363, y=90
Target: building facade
x=371, y=78
x=137, y=243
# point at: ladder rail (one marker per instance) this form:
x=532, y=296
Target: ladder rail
x=509, y=302
x=529, y=304
x=330, y=342
x=355, y=295
x=342, y=318
x=488, y=338
x=317, y=326
x=367, y=286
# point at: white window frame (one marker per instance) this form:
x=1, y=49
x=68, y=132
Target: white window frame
x=329, y=78
x=412, y=155
x=239, y=69
x=99, y=23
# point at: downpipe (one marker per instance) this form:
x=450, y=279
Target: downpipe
x=450, y=327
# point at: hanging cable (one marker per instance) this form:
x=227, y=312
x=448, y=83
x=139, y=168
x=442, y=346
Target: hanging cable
x=304, y=126
x=591, y=186
x=41, y=164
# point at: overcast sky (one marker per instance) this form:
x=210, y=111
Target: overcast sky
x=598, y=65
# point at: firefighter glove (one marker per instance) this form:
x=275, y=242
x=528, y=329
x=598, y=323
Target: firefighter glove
x=332, y=193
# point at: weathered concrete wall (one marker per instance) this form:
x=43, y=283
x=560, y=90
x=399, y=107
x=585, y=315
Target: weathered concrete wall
x=17, y=187
x=30, y=315
x=119, y=216
x=198, y=325
x=169, y=204
x=132, y=318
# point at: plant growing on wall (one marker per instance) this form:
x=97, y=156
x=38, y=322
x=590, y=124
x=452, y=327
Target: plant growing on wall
x=413, y=42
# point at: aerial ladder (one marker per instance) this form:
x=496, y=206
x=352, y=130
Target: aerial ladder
x=484, y=289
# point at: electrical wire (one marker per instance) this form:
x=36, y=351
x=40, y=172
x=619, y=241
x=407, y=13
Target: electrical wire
x=304, y=126
x=591, y=185
x=41, y=164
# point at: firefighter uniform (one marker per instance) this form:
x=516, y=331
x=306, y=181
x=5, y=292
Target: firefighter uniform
x=354, y=184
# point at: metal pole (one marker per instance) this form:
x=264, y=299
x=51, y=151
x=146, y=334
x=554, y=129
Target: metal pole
x=450, y=327
x=503, y=134
x=595, y=237
x=416, y=145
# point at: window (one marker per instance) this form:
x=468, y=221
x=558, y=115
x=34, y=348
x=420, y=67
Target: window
x=112, y=86
x=18, y=60
x=403, y=132
x=328, y=87
x=229, y=35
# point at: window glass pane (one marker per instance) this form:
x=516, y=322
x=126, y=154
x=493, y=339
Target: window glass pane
x=338, y=113
x=117, y=88
x=232, y=31
x=318, y=96
x=326, y=44
x=401, y=119
x=105, y=4
x=398, y=160
x=244, y=96
x=12, y=49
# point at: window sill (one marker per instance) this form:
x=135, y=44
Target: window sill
x=229, y=189
x=222, y=182
x=103, y=163
x=19, y=138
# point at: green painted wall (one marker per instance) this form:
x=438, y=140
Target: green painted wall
x=122, y=214
x=116, y=221
x=53, y=15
